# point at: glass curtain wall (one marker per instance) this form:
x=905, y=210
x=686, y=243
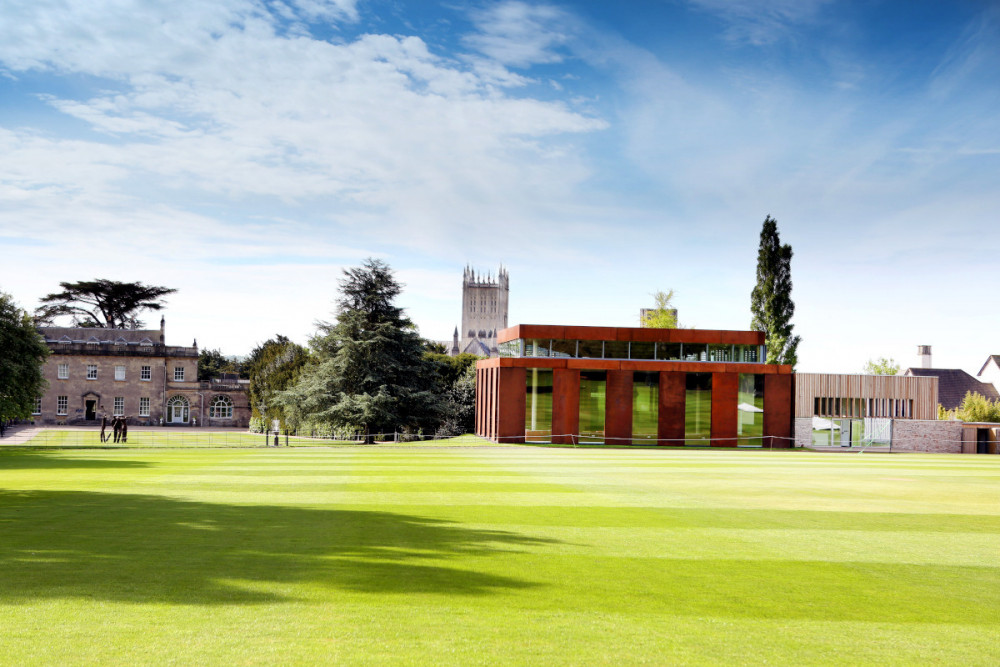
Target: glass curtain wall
x=593, y=393
x=698, y=409
x=645, y=407
x=538, y=405
x=750, y=407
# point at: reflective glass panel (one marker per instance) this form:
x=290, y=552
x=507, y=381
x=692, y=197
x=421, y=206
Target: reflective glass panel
x=645, y=407
x=510, y=348
x=615, y=349
x=536, y=347
x=720, y=353
x=591, y=349
x=593, y=388
x=698, y=409
x=641, y=351
x=695, y=352
x=668, y=351
x=748, y=354
x=538, y=405
x=750, y=410
x=564, y=348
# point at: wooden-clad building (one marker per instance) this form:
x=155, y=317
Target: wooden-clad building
x=831, y=395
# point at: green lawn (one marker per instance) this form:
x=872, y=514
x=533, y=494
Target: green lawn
x=190, y=437
x=507, y=555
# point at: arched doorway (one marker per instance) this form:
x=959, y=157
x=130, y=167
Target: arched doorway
x=178, y=410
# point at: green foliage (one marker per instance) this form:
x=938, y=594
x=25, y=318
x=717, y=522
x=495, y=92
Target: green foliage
x=212, y=363
x=977, y=408
x=449, y=369
x=102, y=303
x=881, y=366
x=458, y=406
x=771, y=300
x=663, y=315
x=24, y=354
x=370, y=372
x=944, y=414
x=272, y=367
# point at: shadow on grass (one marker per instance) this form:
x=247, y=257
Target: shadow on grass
x=141, y=548
x=32, y=458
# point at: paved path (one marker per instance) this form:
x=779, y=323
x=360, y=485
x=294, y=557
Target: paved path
x=18, y=435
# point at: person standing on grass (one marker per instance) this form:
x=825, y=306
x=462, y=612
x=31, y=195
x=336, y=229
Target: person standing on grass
x=104, y=425
x=124, y=429
x=116, y=426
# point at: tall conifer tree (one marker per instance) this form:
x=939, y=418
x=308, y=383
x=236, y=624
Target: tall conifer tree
x=771, y=300
x=370, y=373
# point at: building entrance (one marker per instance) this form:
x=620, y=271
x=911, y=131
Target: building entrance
x=90, y=409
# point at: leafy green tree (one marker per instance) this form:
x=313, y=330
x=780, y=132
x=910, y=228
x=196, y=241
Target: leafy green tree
x=212, y=363
x=663, y=315
x=450, y=369
x=977, y=408
x=24, y=354
x=881, y=366
x=272, y=367
x=370, y=374
x=102, y=303
x=771, y=300
x=458, y=406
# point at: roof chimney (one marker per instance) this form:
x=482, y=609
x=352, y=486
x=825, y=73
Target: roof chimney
x=924, y=355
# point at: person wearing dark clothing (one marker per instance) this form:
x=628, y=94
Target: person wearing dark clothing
x=116, y=426
x=124, y=429
x=104, y=425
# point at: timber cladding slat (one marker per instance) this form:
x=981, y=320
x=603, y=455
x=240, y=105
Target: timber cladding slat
x=923, y=391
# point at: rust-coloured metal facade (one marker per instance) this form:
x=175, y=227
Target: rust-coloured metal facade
x=501, y=386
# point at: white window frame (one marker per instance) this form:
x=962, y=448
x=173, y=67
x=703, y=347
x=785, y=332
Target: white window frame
x=221, y=403
x=62, y=372
x=37, y=410
x=62, y=405
x=146, y=373
x=91, y=371
x=143, y=406
x=119, y=372
x=178, y=374
x=119, y=407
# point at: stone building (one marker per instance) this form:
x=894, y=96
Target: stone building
x=484, y=312
x=95, y=372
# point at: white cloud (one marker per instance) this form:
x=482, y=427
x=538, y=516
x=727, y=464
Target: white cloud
x=520, y=34
x=762, y=22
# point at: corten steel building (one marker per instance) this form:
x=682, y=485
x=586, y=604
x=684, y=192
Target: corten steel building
x=566, y=384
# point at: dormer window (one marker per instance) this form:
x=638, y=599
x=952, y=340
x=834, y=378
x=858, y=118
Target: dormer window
x=93, y=341
x=121, y=341
x=65, y=339
x=145, y=342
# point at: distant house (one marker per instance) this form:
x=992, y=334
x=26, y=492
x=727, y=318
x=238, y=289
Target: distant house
x=990, y=372
x=94, y=373
x=954, y=384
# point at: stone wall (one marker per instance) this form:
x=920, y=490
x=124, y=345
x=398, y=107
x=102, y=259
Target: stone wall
x=927, y=436
x=803, y=431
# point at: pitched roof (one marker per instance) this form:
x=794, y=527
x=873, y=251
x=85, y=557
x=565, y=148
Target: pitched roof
x=96, y=335
x=995, y=358
x=954, y=384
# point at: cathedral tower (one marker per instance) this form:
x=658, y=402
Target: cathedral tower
x=484, y=311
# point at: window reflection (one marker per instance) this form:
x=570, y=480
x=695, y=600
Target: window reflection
x=593, y=388
x=698, y=409
x=645, y=407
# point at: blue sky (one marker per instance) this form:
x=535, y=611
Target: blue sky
x=245, y=151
